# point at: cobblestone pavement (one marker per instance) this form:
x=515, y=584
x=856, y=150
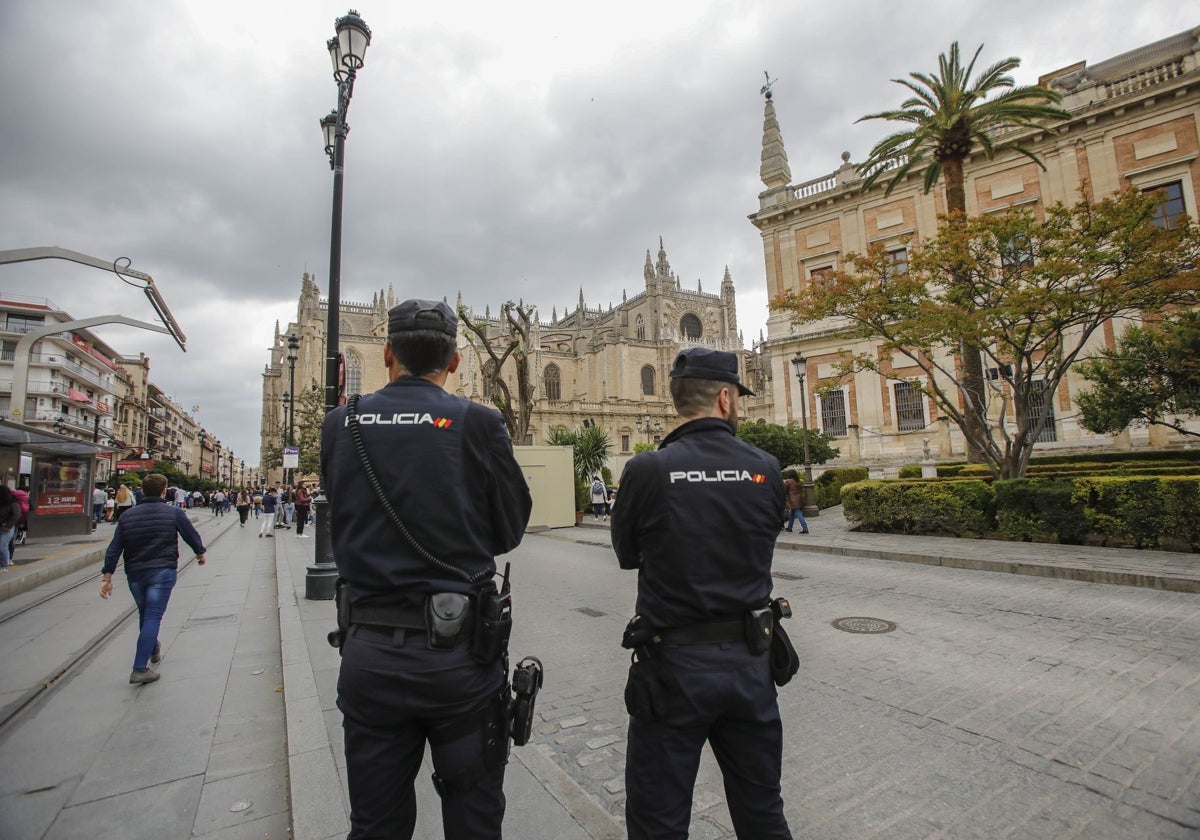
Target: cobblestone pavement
x=1000, y=706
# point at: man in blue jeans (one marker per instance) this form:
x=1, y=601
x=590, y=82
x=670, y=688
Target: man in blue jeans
x=148, y=537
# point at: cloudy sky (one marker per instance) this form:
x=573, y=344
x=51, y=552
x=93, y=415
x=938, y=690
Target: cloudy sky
x=507, y=150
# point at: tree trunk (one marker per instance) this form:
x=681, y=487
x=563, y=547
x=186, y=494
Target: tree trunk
x=974, y=388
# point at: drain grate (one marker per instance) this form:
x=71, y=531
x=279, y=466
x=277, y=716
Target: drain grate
x=590, y=612
x=787, y=576
x=863, y=624
x=210, y=620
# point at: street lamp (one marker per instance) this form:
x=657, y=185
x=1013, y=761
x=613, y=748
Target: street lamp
x=200, y=469
x=242, y=475
x=645, y=424
x=347, y=50
x=293, y=346
x=810, y=499
x=229, y=478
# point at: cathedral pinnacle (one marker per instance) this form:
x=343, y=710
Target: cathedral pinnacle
x=774, y=171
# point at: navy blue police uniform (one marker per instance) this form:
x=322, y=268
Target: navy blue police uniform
x=447, y=466
x=698, y=519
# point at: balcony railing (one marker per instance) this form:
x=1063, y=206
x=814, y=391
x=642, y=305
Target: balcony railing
x=61, y=360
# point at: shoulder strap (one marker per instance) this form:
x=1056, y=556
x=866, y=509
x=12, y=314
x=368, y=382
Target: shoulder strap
x=369, y=471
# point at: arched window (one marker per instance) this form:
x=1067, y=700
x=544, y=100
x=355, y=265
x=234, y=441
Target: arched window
x=489, y=371
x=640, y=326
x=354, y=373
x=553, y=383
x=648, y=381
x=689, y=325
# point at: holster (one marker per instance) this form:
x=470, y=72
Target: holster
x=651, y=688
x=526, y=683
x=342, y=600
x=785, y=662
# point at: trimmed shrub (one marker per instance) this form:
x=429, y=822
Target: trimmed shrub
x=1181, y=509
x=1127, y=509
x=828, y=485
x=961, y=508
x=910, y=471
x=1040, y=509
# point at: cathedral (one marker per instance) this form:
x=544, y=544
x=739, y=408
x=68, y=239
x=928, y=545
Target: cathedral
x=603, y=365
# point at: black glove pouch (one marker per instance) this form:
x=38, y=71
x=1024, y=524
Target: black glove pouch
x=759, y=625
x=445, y=616
x=785, y=662
x=650, y=690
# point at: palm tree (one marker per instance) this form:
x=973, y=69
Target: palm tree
x=950, y=115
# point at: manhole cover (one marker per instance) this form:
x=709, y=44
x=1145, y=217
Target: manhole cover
x=787, y=576
x=589, y=611
x=210, y=619
x=862, y=624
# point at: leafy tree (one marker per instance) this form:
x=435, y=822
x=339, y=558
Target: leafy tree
x=590, y=448
x=1153, y=374
x=950, y=115
x=786, y=443
x=1029, y=292
x=510, y=342
x=639, y=448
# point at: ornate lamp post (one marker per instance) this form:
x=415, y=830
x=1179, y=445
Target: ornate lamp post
x=293, y=346
x=650, y=427
x=347, y=50
x=242, y=475
x=200, y=468
x=810, y=498
x=229, y=477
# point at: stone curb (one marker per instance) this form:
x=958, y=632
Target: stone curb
x=50, y=568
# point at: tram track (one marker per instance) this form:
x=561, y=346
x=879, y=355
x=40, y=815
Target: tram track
x=10, y=713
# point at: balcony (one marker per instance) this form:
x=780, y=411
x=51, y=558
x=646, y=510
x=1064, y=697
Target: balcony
x=64, y=362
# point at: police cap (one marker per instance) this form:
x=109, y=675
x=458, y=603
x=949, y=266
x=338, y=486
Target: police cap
x=417, y=314
x=702, y=363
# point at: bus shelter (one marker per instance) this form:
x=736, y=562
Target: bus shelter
x=60, y=480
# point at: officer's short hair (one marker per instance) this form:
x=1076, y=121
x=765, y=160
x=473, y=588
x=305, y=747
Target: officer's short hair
x=696, y=396
x=154, y=484
x=422, y=352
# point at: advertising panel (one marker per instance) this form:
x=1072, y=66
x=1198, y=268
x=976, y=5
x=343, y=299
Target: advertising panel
x=63, y=486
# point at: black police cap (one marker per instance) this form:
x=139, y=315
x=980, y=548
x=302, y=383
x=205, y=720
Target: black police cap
x=417, y=314
x=702, y=363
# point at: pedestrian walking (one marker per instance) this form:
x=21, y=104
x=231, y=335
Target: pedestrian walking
x=110, y=505
x=218, y=502
x=795, y=502
x=303, y=506
x=243, y=507
x=269, y=504
x=148, y=537
x=425, y=630
x=125, y=501
x=698, y=521
x=289, y=506
x=599, y=498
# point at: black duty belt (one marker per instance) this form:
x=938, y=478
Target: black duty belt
x=410, y=618
x=698, y=634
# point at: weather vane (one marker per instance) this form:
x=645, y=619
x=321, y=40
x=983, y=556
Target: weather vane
x=765, y=90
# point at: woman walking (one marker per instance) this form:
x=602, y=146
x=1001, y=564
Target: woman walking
x=243, y=506
x=10, y=515
x=124, y=501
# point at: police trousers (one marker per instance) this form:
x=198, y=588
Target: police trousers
x=724, y=695
x=393, y=692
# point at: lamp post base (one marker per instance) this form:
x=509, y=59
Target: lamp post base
x=320, y=579
x=811, y=510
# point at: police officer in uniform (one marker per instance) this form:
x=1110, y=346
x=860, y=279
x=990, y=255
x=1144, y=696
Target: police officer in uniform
x=412, y=671
x=698, y=519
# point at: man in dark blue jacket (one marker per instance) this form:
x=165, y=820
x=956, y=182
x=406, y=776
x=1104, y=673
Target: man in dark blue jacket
x=148, y=536
x=698, y=519
x=415, y=667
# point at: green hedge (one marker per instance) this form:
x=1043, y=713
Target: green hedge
x=828, y=486
x=1131, y=510
x=961, y=508
x=1040, y=509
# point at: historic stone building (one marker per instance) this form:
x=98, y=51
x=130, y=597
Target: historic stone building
x=605, y=364
x=1134, y=121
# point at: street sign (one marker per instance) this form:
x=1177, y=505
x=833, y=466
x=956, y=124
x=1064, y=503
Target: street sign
x=291, y=457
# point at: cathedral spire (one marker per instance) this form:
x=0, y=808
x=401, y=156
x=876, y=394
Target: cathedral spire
x=774, y=171
x=648, y=271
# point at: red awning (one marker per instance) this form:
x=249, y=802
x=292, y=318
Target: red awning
x=79, y=396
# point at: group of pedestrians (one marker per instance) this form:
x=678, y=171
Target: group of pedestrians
x=284, y=506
